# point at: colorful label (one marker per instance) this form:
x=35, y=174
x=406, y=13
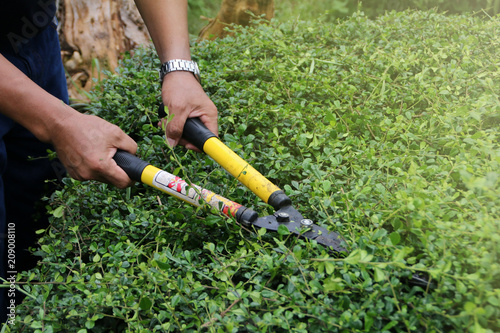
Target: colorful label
x=193, y=194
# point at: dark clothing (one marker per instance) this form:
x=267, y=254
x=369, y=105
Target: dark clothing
x=24, y=166
x=21, y=20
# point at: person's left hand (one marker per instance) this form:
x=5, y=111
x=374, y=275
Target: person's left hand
x=185, y=98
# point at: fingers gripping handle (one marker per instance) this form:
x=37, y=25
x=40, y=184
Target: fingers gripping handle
x=131, y=164
x=194, y=130
x=196, y=133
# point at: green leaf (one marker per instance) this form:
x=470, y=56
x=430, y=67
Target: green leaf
x=36, y=324
x=158, y=140
x=379, y=274
x=469, y=307
x=89, y=324
x=58, y=212
x=354, y=257
x=145, y=304
x=494, y=301
x=162, y=265
x=368, y=322
x=210, y=247
x=327, y=186
x=175, y=300
x=283, y=230
x=329, y=267
x=389, y=326
x=395, y=238
x=118, y=223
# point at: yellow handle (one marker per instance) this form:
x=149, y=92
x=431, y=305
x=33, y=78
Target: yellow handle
x=240, y=169
x=199, y=135
x=195, y=194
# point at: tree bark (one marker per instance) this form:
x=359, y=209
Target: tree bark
x=96, y=32
x=236, y=12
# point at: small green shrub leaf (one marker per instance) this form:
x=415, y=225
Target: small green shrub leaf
x=58, y=212
x=283, y=230
x=395, y=238
x=145, y=304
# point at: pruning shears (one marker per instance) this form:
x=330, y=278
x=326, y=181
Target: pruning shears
x=199, y=135
x=285, y=214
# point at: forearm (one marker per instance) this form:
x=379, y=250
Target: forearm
x=29, y=105
x=167, y=24
x=85, y=144
x=181, y=92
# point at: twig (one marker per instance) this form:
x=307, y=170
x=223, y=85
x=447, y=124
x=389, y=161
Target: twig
x=221, y=315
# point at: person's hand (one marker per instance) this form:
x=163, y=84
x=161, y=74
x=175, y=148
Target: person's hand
x=86, y=145
x=185, y=98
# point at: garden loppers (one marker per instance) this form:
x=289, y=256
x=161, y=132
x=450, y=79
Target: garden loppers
x=285, y=214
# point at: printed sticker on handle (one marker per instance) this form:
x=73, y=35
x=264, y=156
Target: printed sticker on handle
x=192, y=193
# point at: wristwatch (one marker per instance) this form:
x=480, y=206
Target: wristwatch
x=179, y=65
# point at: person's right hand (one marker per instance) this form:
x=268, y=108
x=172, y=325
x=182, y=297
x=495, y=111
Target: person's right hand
x=86, y=145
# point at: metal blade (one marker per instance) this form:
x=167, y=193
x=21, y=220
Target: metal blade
x=297, y=224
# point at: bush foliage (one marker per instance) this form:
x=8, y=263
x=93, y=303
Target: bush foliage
x=384, y=130
x=331, y=10
x=334, y=9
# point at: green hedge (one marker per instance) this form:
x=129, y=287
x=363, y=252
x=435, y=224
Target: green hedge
x=332, y=10
x=335, y=9
x=385, y=131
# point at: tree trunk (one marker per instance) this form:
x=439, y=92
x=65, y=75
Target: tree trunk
x=236, y=12
x=96, y=32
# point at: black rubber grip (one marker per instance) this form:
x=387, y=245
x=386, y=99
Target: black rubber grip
x=194, y=130
x=161, y=111
x=278, y=200
x=246, y=215
x=131, y=164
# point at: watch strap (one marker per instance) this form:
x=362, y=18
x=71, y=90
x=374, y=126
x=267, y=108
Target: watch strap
x=179, y=65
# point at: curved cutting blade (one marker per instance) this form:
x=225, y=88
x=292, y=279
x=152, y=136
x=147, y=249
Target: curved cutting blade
x=297, y=224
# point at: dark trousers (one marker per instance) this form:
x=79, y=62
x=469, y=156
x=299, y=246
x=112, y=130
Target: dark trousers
x=24, y=165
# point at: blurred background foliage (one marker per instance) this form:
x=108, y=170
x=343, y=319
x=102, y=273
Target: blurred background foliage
x=331, y=10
